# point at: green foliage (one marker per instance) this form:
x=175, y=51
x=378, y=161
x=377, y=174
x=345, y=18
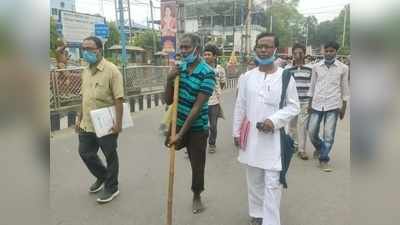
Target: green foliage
x=292, y=27
x=113, y=38
x=145, y=40
x=54, y=36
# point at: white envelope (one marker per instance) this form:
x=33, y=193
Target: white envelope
x=103, y=119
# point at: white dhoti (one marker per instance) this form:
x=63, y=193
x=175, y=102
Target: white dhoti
x=264, y=193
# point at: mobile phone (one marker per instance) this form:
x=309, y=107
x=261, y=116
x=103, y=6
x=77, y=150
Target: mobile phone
x=260, y=126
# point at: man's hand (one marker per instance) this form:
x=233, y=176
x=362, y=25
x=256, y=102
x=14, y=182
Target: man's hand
x=236, y=141
x=173, y=72
x=268, y=126
x=116, y=129
x=77, y=127
x=342, y=112
x=175, y=141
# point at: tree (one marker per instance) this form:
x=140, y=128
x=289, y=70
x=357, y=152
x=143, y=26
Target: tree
x=145, y=40
x=113, y=37
x=54, y=37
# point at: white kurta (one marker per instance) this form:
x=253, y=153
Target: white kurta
x=258, y=99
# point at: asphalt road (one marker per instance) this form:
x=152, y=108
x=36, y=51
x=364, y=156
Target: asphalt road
x=313, y=197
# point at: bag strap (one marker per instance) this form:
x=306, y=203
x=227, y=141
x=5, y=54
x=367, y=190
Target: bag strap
x=285, y=83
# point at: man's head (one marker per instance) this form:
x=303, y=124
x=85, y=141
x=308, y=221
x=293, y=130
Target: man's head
x=330, y=50
x=190, y=47
x=91, y=49
x=210, y=53
x=298, y=51
x=266, y=46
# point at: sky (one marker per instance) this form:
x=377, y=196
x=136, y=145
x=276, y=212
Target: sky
x=322, y=9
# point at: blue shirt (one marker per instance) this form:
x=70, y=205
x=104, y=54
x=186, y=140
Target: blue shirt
x=202, y=80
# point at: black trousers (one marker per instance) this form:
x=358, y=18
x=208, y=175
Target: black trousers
x=89, y=146
x=213, y=113
x=196, y=145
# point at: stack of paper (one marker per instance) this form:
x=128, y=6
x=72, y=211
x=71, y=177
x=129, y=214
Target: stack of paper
x=104, y=119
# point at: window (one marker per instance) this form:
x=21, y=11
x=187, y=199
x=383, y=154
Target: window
x=62, y=4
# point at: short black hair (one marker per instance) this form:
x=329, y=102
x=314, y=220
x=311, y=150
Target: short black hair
x=331, y=44
x=96, y=40
x=268, y=34
x=300, y=46
x=194, y=38
x=212, y=48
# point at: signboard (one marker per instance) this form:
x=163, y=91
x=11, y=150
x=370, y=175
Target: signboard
x=101, y=30
x=78, y=26
x=168, y=27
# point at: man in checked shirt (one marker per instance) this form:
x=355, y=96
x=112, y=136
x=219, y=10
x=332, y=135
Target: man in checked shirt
x=329, y=92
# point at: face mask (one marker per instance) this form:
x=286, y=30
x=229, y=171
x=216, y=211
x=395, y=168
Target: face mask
x=267, y=61
x=89, y=57
x=190, y=58
x=329, y=61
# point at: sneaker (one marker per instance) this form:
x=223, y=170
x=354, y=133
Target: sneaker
x=255, y=221
x=302, y=155
x=212, y=149
x=97, y=186
x=197, y=206
x=107, y=196
x=316, y=154
x=325, y=167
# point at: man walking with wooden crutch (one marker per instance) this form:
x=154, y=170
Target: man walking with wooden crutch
x=196, y=85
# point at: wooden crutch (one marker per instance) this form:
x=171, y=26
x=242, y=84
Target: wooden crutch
x=172, y=152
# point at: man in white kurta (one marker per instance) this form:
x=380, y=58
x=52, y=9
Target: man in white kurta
x=258, y=100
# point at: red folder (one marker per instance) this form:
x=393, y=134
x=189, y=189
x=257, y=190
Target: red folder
x=244, y=132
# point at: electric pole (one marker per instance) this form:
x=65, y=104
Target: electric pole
x=234, y=23
x=130, y=21
x=152, y=28
x=247, y=31
x=121, y=25
x=344, y=25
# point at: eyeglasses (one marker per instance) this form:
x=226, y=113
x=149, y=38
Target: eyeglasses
x=88, y=49
x=185, y=47
x=259, y=46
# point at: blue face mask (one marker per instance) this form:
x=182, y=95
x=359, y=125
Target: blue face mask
x=89, y=57
x=267, y=61
x=190, y=58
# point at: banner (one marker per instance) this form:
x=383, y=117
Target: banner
x=168, y=25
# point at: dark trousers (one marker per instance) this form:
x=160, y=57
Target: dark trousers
x=213, y=113
x=89, y=146
x=196, y=145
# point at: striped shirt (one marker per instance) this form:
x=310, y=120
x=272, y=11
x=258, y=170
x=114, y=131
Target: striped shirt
x=302, y=76
x=202, y=80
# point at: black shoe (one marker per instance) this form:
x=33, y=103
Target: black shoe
x=107, y=196
x=255, y=221
x=97, y=186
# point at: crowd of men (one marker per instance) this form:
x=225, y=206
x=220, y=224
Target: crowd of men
x=300, y=100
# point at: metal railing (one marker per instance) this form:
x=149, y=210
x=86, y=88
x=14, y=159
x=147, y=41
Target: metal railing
x=65, y=84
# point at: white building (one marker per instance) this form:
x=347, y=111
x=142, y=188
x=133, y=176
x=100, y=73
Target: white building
x=57, y=5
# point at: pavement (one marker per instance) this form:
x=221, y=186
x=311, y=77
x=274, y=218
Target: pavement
x=313, y=197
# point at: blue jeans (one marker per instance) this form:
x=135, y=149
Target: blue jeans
x=329, y=119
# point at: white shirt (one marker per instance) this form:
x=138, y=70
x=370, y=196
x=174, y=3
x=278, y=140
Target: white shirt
x=258, y=99
x=329, y=86
x=220, y=78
